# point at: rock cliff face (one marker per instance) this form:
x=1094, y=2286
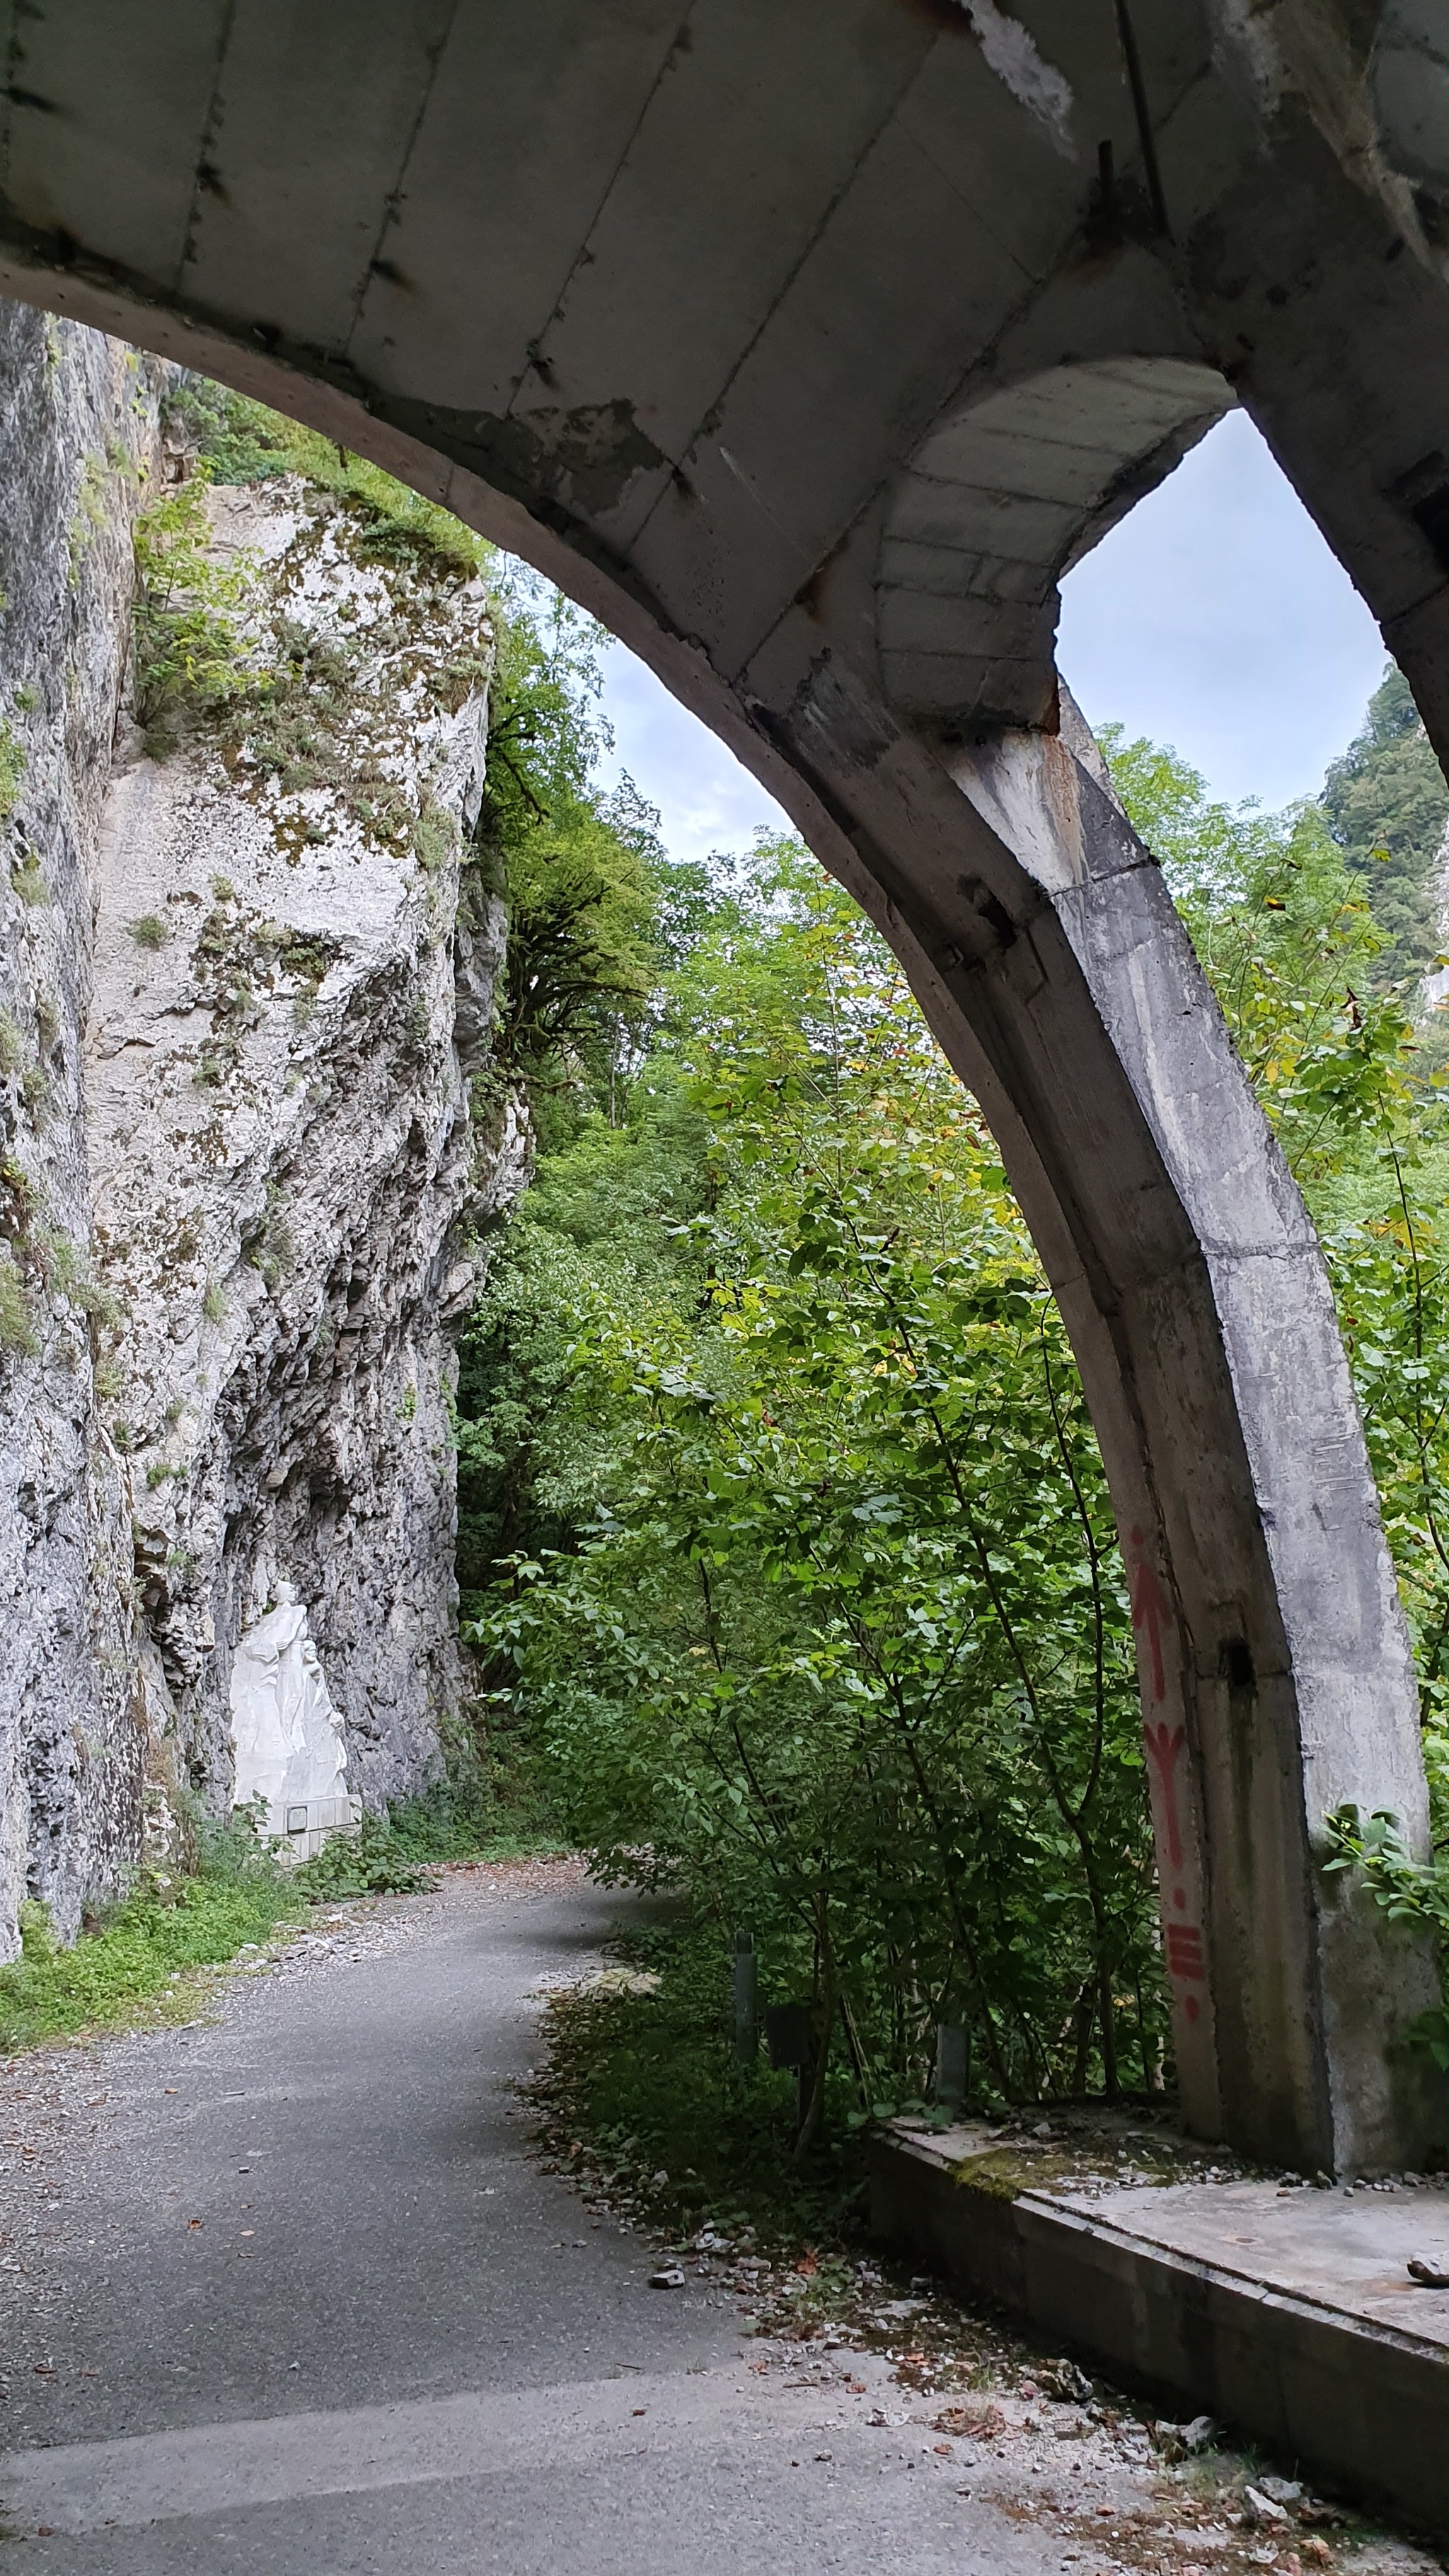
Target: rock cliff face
x=249, y=1101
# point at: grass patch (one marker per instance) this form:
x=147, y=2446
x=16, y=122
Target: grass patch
x=642, y=2088
x=141, y=1963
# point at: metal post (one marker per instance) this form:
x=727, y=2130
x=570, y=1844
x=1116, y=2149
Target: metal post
x=747, y=2020
x=953, y=2064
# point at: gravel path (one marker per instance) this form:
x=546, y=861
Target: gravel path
x=282, y=2290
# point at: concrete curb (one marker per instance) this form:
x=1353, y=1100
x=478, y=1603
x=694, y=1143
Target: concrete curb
x=1362, y=2404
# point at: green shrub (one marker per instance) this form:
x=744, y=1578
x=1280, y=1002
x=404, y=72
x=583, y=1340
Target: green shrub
x=12, y=770
x=16, y=1331
x=367, y=1863
x=140, y=1965
x=149, y=931
x=27, y=880
x=190, y=650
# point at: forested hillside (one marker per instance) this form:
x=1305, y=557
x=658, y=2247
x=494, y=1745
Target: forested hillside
x=1387, y=807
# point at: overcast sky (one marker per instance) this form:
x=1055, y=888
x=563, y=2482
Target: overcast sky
x=1214, y=619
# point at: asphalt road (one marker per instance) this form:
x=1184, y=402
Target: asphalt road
x=283, y=2295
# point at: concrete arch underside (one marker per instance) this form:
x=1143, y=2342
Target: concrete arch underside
x=696, y=307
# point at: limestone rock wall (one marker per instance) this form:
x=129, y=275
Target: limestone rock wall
x=280, y=1129
x=78, y=432
x=251, y=1091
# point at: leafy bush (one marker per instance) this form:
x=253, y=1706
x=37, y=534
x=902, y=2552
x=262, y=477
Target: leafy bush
x=366, y=1863
x=839, y=1636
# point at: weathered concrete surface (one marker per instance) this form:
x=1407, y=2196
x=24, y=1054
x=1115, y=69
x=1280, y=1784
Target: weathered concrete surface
x=1290, y=2315
x=807, y=346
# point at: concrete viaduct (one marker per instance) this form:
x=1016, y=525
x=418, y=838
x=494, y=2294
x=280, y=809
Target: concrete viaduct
x=807, y=343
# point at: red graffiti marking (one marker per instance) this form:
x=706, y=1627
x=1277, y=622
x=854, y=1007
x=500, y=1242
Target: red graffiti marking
x=1184, y=1953
x=1150, y=1610
x=1164, y=1751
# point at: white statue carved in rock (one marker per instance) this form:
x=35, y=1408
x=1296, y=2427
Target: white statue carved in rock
x=286, y=1732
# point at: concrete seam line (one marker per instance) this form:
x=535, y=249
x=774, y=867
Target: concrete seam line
x=214, y=2468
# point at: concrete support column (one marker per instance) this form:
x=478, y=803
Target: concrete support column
x=1274, y=1664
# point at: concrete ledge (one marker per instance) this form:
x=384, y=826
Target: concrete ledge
x=1289, y=2314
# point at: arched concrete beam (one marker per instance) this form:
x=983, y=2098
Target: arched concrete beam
x=997, y=504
